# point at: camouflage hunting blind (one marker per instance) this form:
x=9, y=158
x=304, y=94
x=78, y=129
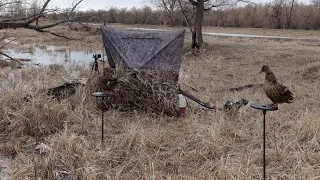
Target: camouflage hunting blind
x=151, y=60
x=144, y=49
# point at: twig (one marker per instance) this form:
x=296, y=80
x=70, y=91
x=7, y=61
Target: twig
x=192, y=87
x=55, y=34
x=185, y=17
x=245, y=87
x=8, y=42
x=11, y=58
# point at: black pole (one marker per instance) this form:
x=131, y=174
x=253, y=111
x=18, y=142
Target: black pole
x=102, y=124
x=102, y=95
x=265, y=108
x=264, y=144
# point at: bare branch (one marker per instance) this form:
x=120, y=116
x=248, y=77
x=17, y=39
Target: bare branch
x=28, y=21
x=73, y=8
x=55, y=34
x=222, y=3
x=11, y=58
x=185, y=16
x=37, y=28
x=193, y=2
x=245, y=1
x=165, y=7
x=39, y=14
x=226, y=3
x=21, y=19
x=7, y=42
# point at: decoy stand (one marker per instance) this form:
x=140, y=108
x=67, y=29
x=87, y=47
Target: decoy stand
x=264, y=108
x=102, y=96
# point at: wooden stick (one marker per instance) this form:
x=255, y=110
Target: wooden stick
x=192, y=87
x=245, y=87
x=207, y=105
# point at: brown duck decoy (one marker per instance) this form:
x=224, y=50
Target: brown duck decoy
x=275, y=91
x=107, y=82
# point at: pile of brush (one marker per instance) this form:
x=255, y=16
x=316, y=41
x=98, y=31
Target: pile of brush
x=150, y=91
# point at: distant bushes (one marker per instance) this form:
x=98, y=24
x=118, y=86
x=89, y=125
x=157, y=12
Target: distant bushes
x=276, y=15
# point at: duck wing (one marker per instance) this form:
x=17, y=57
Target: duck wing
x=107, y=83
x=284, y=94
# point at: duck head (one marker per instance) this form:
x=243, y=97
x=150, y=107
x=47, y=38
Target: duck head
x=265, y=69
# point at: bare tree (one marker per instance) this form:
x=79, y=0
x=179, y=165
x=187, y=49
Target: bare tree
x=316, y=3
x=111, y=15
x=34, y=8
x=15, y=14
x=145, y=14
x=289, y=5
x=276, y=12
x=123, y=15
x=199, y=7
x=169, y=7
x=251, y=14
x=235, y=16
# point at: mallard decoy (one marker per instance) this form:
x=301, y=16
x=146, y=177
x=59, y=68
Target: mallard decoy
x=275, y=91
x=108, y=81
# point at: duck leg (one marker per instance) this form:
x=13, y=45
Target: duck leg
x=275, y=104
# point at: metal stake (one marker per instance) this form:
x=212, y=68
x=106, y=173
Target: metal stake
x=102, y=95
x=102, y=123
x=264, y=143
x=264, y=108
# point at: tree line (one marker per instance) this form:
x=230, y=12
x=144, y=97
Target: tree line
x=280, y=14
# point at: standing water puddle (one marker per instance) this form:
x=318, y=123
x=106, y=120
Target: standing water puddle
x=52, y=55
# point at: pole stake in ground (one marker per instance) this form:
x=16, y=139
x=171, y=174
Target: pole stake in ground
x=102, y=96
x=264, y=108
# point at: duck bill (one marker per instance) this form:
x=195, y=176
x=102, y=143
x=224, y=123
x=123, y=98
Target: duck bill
x=260, y=72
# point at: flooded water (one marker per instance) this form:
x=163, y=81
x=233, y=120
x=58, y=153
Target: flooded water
x=45, y=55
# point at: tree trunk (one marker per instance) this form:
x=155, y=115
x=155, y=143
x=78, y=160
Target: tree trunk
x=197, y=35
x=290, y=14
x=171, y=19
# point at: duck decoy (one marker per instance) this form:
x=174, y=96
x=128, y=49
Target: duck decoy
x=275, y=91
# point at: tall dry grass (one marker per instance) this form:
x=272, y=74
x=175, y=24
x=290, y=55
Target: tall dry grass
x=203, y=145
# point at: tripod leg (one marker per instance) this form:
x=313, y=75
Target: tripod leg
x=92, y=68
x=96, y=67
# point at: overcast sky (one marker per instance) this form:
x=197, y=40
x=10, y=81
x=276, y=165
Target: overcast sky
x=105, y=4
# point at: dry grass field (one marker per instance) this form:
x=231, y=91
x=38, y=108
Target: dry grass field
x=202, y=145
